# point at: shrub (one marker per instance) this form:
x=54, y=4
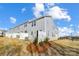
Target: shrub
x=35, y=41
x=41, y=43
x=46, y=39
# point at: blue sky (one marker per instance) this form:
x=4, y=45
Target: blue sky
x=12, y=14
x=14, y=10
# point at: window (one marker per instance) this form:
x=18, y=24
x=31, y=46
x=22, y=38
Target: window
x=25, y=25
x=25, y=31
x=40, y=30
x=53, y=35
x=34, y=23
x=32, y=33
x=21, y=31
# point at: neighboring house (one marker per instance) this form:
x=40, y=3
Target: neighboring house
x=44, y=25
x=2, y=33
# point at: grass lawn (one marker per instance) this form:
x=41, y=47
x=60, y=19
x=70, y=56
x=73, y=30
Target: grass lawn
x=66, y=42
x=18, y=47
x=10, y=46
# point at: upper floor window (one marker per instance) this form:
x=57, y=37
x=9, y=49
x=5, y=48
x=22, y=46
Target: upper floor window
x=40, y=30
x=25, y=25
x=34, y=23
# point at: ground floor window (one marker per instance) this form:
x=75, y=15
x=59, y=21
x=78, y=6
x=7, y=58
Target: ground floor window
x=32, y=33
x=25, y=31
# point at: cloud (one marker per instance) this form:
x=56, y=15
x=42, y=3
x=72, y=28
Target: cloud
x=78, y=26
x=13, y=20
x=56, y=12
x=77, y=33
x=23, y=10
x=49, y=5
x=59, y=13
x=71, y=25
x=65, y=31
x=3, y=28
x=37, y=14
x=39, y=7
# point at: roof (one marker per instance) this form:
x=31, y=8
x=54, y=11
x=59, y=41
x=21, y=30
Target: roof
x=29, y=21
x=2, y=30
x=38, y=18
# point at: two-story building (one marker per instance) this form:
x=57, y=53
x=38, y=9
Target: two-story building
x=2, y=33
x=44, y=25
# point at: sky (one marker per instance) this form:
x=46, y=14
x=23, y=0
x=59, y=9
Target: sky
x=65, y=15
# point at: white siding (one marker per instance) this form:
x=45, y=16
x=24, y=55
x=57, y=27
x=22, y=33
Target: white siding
x=44, y=25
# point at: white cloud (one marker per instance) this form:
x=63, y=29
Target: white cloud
x=37, y=14
x=3, y=28
x=65, y=31
x=71, y=25
x=55, y=11
x=78, y=26
x=49, y=5
x=12, y=20
x=77, y=33
x=39, y=7
x=59, y=13
x=23, y=10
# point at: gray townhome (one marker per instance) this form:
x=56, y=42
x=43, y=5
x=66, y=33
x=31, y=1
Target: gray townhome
x=44, y=25
x=2, y=33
